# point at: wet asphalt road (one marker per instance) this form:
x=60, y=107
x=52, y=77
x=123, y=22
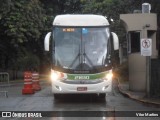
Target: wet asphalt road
x=44, y=101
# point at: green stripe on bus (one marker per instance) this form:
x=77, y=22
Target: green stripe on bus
x=86, y=76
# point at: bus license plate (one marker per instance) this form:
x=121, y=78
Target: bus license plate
x=81, y=88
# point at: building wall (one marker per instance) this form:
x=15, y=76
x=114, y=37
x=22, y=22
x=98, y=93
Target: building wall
x=146, y=23
x=137, y=21
x=137, y=72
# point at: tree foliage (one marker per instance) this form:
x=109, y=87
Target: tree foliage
x=22, y=23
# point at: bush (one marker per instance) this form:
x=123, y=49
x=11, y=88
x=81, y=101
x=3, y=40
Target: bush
x=29, y=62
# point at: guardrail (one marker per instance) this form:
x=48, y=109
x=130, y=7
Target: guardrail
x=4, y=80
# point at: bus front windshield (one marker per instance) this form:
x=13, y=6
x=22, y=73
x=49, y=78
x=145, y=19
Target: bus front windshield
x=80, y=48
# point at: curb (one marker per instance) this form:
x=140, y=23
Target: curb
x=140, y=100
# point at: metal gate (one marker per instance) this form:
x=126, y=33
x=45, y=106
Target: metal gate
x=4, y=82
x=155, y=78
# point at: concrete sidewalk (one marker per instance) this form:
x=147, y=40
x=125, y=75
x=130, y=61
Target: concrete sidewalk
x=139, y=96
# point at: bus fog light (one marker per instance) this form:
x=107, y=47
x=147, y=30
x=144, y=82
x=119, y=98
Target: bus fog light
x=104, y=88
x=59, y=88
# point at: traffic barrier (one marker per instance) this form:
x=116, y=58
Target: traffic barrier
x=28, y=88
x=4, y=83
x=35, y=81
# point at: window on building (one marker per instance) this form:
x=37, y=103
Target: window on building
x=134, y=42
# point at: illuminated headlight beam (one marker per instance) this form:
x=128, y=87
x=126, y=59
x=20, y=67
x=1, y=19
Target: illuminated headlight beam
x=54, y=76
x=109, y=75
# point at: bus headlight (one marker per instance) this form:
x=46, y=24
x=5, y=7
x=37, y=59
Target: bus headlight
x=54, y=76
x=109, y=75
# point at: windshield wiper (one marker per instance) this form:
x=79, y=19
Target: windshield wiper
x=90, y=62
x=78, y=56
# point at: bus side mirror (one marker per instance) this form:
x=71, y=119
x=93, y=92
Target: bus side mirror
x=46, y=41
x=115, y=41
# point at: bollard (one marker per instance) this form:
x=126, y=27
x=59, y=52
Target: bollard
x=35, y=80
x=28, y=88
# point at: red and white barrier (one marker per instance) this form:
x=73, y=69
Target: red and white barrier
x=28, y=88
x=35, y=80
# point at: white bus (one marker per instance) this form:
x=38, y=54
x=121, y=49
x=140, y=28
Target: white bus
x=81, y=48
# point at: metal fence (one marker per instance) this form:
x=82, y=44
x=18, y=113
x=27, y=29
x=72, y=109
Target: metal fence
x=155, y=78
x=4, y=81
x=4, y=78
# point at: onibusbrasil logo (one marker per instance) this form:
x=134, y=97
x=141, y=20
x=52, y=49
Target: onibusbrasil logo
x=21, y=114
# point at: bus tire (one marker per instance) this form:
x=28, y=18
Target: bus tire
x=57, y=96
x=102, y=95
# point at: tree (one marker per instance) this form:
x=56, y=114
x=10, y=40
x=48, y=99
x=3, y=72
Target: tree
x=22, y=23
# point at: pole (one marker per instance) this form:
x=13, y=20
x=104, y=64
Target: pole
x=148, y=66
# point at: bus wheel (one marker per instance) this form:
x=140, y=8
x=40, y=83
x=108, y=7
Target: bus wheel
x=57, y=96
x=102, y=95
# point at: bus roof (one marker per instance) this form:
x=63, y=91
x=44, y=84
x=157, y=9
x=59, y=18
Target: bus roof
x=80, y=20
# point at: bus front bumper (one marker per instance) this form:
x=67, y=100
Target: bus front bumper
x=59, y=87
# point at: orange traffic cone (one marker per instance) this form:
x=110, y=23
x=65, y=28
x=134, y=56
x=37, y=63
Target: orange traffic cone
x=35, y=80
x=28, y=89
